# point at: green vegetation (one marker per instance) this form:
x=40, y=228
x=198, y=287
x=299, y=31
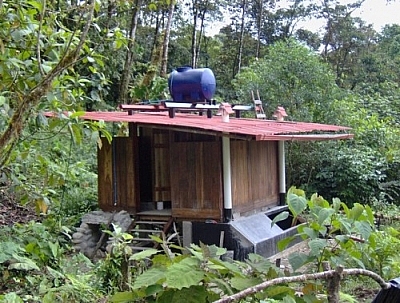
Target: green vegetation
x=38, y=265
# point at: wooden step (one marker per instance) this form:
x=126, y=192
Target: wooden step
x=151, y=222
x=146, y=230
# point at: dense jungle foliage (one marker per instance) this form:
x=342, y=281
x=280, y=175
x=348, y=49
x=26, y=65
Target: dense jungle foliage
x=72, y=56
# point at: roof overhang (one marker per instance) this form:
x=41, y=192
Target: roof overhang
x=240, y=128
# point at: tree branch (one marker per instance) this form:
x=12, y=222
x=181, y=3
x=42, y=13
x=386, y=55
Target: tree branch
x=21, y=113
x=305, y=277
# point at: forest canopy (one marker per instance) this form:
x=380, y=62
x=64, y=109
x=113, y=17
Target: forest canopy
x=74, y=56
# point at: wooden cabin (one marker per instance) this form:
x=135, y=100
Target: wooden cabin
x=198, y=170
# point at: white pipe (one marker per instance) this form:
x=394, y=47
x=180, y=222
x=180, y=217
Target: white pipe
x=282, y=172
x=226, y=163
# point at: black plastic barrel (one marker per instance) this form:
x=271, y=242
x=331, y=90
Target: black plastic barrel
x=193, y=85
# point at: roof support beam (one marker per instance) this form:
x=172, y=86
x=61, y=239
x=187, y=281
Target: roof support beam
x=226, y=163
x=282, y=172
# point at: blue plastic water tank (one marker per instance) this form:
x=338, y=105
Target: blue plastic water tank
x=188, y=84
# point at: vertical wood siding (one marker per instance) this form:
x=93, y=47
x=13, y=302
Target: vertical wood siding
x=254, y=175
x=105, y=175
x=196, y=187
x=117, y=185
x=161, y=168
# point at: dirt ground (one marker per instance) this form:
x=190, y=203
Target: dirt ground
x=12, y=212
x=283, y=255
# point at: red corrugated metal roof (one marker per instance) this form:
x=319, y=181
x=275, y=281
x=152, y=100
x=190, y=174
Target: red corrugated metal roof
x=250, y=129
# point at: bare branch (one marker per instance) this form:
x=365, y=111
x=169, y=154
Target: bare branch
x=303, y=278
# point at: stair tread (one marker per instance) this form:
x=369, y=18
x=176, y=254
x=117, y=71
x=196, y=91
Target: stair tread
x=146, y=230
x=150, y=222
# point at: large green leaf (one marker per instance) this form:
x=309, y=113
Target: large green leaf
x=143, y=254
x=280, y=217
x=259, y=263
x=356, y=211
x=311, y=232
x=297, y=260
x=229, y=267
x=184, y=274
x=7, y=249
x=149, y=277
x=278, y=291
x=336, y=203
x=122, y=297
x=346, y=226
x=55, y=249
x=154, y=289
x=23, y=263
x=316, y=246
x=370, y=214
x=223, y=286
x=282, y=244
x=240, y=283
x=364, y=228
x=297, y=204
x=194, y=294
x=324, y=214
x=288, y=299
x=211, y=251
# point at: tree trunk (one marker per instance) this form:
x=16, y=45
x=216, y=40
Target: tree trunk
x=194, y=33
x=155, y=35
x=259, y=25
x=241, y=38
x=200, y=36
x=164, y=56
x=126, y=73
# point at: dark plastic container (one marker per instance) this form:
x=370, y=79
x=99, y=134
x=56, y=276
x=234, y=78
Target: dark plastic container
x=192, y=85
x=391, y=295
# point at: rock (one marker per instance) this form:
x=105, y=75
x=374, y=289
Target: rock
x=88, y=234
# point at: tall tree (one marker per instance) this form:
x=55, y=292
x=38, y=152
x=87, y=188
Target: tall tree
x=201, y=13
x=126, y=73
x=164, y=59
x=243, y=7
x=292, y=76
x=345, y=40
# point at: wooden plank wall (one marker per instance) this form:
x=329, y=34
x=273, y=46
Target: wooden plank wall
x=105, y=175
x=254, y=175
x=161, y=167
x=118, y=185
x=196, y=181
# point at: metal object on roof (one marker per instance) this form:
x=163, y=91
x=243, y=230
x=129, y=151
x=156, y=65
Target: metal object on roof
x=246, y=129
